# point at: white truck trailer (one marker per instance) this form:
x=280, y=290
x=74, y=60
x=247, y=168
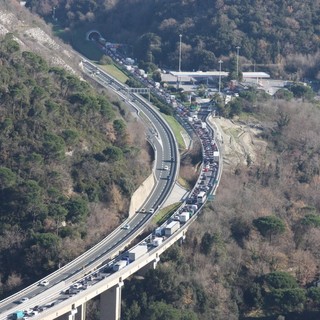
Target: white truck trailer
x=137, y=252
x=203, y=125
x=120, y=265
x=216, y=156
x=201, y=198
x=157, y=241
x=184, y=216
x=171, y=228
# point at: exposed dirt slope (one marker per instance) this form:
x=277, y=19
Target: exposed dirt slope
x=34, y=35
x=240, y=142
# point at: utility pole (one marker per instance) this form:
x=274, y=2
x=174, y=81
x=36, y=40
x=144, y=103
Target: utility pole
x=220, y=62
x=238, y=48
x=180, y=36
x=54, y=13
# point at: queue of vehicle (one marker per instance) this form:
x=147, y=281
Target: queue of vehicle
x=194, y=202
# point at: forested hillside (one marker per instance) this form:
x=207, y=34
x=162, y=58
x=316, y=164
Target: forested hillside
x=254, y=252
x=67, y=165
x=285, y=33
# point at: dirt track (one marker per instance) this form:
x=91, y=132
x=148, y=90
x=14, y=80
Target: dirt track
x=240, y=143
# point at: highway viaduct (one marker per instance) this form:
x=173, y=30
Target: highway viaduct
x=109, y=289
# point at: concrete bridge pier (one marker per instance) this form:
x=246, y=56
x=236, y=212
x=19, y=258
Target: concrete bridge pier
x=150, y=266
x=183, y=238
x=81, y=314
x=110, y=303
x=78, y=313
x=154, y=263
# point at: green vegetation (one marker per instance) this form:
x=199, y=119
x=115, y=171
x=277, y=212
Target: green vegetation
x=269, y=226
x=77, y=38
x=254, y=252
x=55, y=160
x=115, y=72
x=183, y=183
x=177, y=130
x=280, y=36
x=165, y=213
x=257, y=243
x=164, y=292
x=311, y=220
x=244, y=104
x=277, y=292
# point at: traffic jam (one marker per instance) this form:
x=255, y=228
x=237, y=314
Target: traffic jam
x=204, y=187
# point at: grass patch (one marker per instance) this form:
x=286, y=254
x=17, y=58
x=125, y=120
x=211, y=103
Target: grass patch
x=165, y=213
x=184, y=183
x=176, y=128
x=115, y=72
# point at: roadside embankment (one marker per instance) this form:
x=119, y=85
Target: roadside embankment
x=141, y=194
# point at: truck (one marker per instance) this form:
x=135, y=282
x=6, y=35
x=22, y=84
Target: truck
x=120, y=265
x=203, y=125
x=193, y=208
x=158, y=231
x=157, y=241
x=129, y=61
x=171, y=228
x=142, y=72
x=184, y=216
x=137, y=252
x=201, y=198
x=17, y=315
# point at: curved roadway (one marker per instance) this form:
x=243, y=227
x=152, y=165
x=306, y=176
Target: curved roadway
x=104, y=278
x=163, y=141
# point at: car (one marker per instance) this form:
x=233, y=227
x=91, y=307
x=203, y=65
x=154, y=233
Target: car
x=89, y=278
x=27, y=312
x=151, y=210
x=44, y=283
x=166, y=168
x=126, y=227
x=76, y=285
x=143, y=210
x=24, y=299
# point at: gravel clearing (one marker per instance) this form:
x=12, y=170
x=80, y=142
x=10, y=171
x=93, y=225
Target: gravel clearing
x=42, y=38
x=3, y=30
x=238, y=142
x=31, y=38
